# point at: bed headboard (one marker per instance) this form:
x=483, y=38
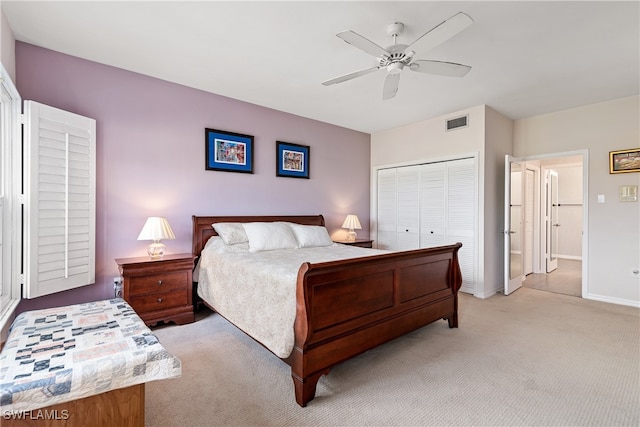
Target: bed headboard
x=203, y=230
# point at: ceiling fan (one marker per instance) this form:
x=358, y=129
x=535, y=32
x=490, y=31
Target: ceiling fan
x=396, y=57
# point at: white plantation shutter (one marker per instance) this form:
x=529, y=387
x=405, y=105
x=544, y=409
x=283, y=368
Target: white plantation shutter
x=60, y=183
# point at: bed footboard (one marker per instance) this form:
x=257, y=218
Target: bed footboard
x=347, y=307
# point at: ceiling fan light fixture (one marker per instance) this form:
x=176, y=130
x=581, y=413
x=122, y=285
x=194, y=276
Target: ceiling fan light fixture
x=395, y=67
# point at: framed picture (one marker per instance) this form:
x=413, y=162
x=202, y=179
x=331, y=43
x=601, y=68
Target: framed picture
x=228, y=151
x=292, y=160
x=624, y=161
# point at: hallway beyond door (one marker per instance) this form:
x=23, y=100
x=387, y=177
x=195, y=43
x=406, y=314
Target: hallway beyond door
x=566, y=279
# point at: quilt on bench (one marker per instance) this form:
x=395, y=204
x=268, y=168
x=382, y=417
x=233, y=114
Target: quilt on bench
x=66, y=353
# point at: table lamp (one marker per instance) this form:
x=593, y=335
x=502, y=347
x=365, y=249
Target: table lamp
x=156, y=228
x=352, y=223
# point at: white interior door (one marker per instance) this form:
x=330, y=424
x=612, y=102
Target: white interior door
x=529, y=219
x=513, y=221
x=552, y=221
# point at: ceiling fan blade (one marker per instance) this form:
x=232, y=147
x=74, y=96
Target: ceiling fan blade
x=350, y=76
x=450, y=69
x=440, y=33
x=362, y=43
x=391, y=83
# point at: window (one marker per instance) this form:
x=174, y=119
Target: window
x=10, y=209
x=47, y=236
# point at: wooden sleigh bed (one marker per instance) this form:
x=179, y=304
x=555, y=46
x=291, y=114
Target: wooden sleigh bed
x=346, y=307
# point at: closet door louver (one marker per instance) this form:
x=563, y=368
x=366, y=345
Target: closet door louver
x=60, y=183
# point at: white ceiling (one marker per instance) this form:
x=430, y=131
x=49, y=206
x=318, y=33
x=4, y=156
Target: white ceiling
x=528, y=58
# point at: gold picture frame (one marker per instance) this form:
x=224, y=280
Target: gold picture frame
x=624, y=161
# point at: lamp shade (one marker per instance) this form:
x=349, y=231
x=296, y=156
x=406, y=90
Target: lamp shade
x=156, y=228
x=352, y=222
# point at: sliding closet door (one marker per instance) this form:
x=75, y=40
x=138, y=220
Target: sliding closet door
x=433, y=209
x=399, y=208
x=387, y=211
x=462, y=216
x=429, y=205
x=408, y=208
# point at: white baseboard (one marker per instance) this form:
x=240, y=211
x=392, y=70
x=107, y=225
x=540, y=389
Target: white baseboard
x=619, y=301
x=574, y=257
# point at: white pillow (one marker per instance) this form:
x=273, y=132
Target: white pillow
x=215, y=245
x=268, y=236
x=232, y=233
x=309, y=236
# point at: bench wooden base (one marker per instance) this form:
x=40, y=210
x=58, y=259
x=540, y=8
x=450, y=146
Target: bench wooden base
x=121, y=407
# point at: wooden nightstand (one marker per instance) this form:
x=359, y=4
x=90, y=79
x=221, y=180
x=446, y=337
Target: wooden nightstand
x=159, y=289
x=363, y=243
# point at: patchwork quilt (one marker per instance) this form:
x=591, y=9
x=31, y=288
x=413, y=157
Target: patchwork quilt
x=67, y=353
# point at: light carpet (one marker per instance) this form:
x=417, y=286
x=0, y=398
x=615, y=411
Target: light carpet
x=531, y=358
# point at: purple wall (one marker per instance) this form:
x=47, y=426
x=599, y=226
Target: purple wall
x=150, y=159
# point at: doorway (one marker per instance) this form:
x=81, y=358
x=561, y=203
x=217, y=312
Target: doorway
x=547, y=230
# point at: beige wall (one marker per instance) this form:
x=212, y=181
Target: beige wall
x=428, y=140
x=614, y=226
x=7, y=47
x=498, y=142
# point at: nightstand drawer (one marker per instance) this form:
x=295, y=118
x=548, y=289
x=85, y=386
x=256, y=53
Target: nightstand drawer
x=159, y=301
x=158, y=282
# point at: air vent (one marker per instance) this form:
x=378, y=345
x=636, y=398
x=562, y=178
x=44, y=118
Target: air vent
x=458, y=122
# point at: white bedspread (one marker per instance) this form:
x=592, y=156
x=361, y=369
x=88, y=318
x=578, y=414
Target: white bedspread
x=256, y=291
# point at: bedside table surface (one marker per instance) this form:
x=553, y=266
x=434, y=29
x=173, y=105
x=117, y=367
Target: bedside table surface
x=346, y=242
x=148, y=259
x=362, y=243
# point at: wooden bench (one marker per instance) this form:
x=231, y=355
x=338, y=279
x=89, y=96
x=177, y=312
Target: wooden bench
x=80, y=365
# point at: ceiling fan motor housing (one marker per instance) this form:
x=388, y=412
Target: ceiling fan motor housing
x=398, y=58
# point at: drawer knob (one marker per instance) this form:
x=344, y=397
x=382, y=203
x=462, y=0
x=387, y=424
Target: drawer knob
x=159, y=299
x=159, y=282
